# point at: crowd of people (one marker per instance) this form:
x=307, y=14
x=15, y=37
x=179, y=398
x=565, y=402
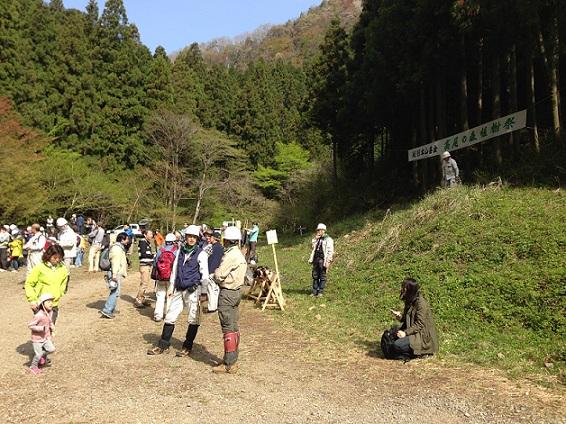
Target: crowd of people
x=189, y=268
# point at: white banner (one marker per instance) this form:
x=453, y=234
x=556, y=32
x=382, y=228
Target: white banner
x=483, y=132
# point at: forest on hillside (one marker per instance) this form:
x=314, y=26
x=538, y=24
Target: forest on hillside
x=124, y=133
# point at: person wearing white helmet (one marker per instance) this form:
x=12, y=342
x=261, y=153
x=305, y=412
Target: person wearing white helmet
x=450, y=171
x=68, y=241
x=161, y=273
x=230, y=276
x=321, y=257
x=190, y=271
x=41, y=327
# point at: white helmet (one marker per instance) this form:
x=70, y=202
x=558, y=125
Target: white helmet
x=445, y=155
x=192, y=230
x=321, y=227
x=170, y=237
x=232, y=233
x=61, y=222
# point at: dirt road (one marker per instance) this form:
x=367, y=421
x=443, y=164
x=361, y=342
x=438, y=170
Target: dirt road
x=101, y=373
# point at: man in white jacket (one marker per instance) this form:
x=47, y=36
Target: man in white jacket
x=321, y=258
x=68, y=241
x=34, y=246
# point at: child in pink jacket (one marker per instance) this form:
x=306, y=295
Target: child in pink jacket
x=41, y=327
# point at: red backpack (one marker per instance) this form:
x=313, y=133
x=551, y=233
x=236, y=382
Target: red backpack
x=164, y=264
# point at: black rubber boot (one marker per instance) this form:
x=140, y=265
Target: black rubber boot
x=166, y=335
x=191, y=335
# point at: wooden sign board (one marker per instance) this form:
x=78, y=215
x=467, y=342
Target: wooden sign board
x=271, y=237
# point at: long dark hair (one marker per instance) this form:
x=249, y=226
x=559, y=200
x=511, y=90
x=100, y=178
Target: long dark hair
x=51, y=251
x=410, y=290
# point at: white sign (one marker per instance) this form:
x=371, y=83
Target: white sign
x=475, y=135
x=271, y=237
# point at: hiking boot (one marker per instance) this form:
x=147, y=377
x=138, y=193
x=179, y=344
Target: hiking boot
x=156, y=350
x=225, y=369
x=183, y=353
x=106, y=315
x=139, y=305
x=35, y=370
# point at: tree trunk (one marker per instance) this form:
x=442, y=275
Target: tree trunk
x=551, y=59
x=512, y=90
x=334, y=160
x=464, y=124
x=531, y=99
x=201, y=192
x=496, y=103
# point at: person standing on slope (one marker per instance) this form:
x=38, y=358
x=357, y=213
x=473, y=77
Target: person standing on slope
x=450, y=171
x=321, y=257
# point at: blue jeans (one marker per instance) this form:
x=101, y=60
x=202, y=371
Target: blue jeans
x=110, y=304
x=79, y=258
x=403, y=348
x=318, y=276
x=15, y=263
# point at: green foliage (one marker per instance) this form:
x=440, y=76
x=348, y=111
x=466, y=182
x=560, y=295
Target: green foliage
x=490, y=261
x=291, y=159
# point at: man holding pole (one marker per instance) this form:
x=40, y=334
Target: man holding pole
x=321, y=257
x=230, y=277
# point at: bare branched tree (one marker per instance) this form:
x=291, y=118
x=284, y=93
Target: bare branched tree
x=173, y=135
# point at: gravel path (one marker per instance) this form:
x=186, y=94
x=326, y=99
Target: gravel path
x=101, y=373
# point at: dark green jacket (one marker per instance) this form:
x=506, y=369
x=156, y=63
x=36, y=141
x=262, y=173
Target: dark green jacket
x=419, y=326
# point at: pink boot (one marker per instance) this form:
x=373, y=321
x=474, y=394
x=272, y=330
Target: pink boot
x=41, y=361
x=35, y=370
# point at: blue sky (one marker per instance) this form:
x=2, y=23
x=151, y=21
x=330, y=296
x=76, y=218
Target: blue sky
x=177, y=23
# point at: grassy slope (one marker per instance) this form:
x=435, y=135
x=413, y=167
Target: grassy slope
x=491, y=262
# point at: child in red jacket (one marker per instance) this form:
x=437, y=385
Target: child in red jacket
x=41, y=327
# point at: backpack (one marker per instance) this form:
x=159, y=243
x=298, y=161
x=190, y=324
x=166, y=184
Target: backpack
x=387, y=340
x=104, y=260
x=162, y=269
x=48, y=244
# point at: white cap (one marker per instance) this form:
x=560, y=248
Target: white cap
x=232, y=233
x=6, y=227
x=445, y=155
x=13, y=227
x=61, y=222
x=41, y=229
x=44, y=297
x=192, y=230
x=28, y=229
x=170, y=237
x=321, y=227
